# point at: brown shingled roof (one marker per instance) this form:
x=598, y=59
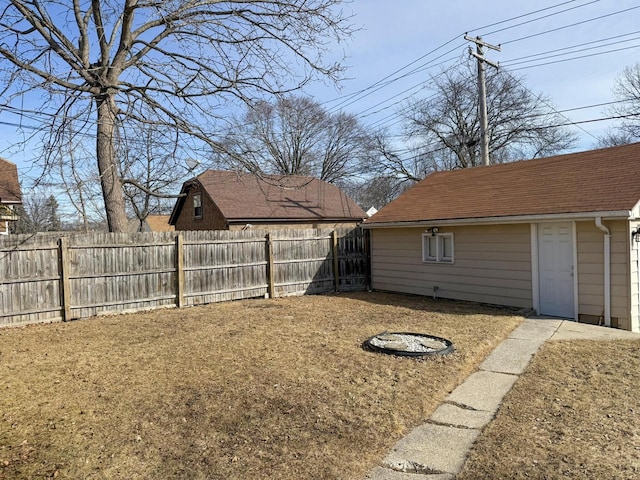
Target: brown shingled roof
x=593, y=181
x=160, y=223
x=246, y=196
x=9, y=184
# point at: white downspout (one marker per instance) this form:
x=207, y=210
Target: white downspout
x=607, y=271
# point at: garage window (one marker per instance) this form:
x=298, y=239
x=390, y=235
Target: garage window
x=437, y=248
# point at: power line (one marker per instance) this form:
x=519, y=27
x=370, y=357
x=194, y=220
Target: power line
x=526, y=37
x=579, y=57
x=591, y=120
x=579, y=45
x=540, y=98
x=389, y=79
x=540, y=18
x=565, y=110
x=423, y=67
x=532, y=58
x=524, y=15
x=417, y=153
x=421, y=84
x=381, y=84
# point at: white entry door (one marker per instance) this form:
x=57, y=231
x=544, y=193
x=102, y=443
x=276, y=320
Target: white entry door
x=555, y=269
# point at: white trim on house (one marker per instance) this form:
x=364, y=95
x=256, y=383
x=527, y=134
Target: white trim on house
x=535, y=274
x=439, y=256
x=634, y=293
x=576, y=298
x=556, y=217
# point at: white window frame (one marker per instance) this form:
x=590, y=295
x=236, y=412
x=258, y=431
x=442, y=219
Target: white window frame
x=439, y=238
x=197, y=204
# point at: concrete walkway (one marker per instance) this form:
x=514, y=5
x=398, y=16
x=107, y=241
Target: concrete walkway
x=438, y=449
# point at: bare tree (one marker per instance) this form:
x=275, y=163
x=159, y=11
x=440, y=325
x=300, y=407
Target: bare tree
x=297, y=136
x=409, y=164
x=376, y=191
x=627, y=92
x=71, y=171
x=39, y=213
x=443, y=131
x=153, y=168
x=615, y=137
x=107, y=64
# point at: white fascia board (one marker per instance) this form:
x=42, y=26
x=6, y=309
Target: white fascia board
x=559, y=217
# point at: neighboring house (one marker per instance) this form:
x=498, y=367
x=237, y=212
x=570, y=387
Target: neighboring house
x=153, y=223
x=159, y=223
x=559, y=235
x=10, y=195
x=222, y=200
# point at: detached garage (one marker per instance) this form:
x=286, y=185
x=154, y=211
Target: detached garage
x=559, y=235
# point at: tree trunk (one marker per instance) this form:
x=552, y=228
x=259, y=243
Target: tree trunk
x=108, y=166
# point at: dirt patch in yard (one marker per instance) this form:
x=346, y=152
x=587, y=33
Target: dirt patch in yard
x=253, y=389
x=575, y=414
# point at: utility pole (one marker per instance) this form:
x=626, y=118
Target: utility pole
x=482, y=87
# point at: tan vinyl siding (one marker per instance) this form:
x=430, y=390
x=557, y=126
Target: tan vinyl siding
x=492, y=264
x=590, y=242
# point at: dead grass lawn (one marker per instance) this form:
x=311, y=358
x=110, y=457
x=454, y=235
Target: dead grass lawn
x=253, y=389
x=575, y=414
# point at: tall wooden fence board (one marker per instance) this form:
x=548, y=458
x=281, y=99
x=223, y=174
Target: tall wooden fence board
x=29, y=280
x=303, y=262
x=48, y=278
x=114, y=272
x=224, y=265
x=353, y=260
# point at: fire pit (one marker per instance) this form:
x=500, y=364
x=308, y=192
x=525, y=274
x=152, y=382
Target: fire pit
x=408, y=344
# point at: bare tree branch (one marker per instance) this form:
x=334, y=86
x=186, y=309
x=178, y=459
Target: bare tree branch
x=444, y=130
x=627, y=91
x=180, y=61
x=297, y=136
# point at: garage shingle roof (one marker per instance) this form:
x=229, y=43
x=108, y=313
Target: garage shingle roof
x=245, y=196
x=593, y=181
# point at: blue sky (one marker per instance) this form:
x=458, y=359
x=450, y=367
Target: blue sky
x=395, y=34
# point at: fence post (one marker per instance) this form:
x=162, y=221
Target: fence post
x=65, y=283
x=336, y=266
x=271, y=287
x=179, y=271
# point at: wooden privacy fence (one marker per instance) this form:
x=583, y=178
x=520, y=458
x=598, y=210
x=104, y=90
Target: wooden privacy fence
x=50, y=278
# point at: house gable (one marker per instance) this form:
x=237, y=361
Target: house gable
x=9, y=184
x=183, y=216
x=235, y=200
